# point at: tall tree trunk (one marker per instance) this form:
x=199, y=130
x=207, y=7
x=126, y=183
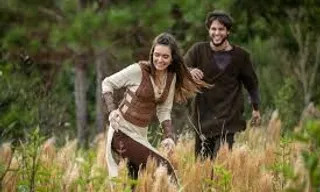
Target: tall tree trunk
x=82, y=4
x=249, y=23
x=81, y=92
x=100, y=62
x=103, y=4
x=81, y=100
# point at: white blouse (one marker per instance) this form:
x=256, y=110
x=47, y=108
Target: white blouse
x=131, y=77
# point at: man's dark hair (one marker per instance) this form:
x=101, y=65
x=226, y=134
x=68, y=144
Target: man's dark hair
x=221, y=16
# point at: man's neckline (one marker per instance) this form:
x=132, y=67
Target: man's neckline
x=230, y=47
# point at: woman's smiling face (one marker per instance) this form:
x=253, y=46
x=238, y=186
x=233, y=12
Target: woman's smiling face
x=162, y=57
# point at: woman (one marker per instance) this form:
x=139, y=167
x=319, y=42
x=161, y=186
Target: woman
x=151, y=88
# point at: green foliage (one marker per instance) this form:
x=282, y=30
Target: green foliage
x=266, y=62
x=25, y=103
x=161, y=15
x=196, y=19
x=283, y=168
x=17, y=102
x=310, y=134
x=30, y=162
x=16, y=37
x=85, y=160
x=222, y=178
x=120, y=18
x=286, y=102
x=82, y=31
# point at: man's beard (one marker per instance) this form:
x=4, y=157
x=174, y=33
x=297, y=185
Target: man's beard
x=220, y=43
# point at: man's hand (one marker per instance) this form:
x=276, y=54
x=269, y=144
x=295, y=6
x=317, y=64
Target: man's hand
x=114, y=119
x=196, y=74
x=256, y=118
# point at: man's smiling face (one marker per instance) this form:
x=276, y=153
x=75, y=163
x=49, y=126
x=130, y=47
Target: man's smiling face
x=218, y=33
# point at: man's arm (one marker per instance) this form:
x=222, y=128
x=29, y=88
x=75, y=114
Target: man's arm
x=190, y=60
x=249, y=79
x=191, y=57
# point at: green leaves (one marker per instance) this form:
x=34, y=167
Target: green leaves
x=15, y=38
x=81, y=31
x=222, y=178
x=310, y=135
x=120, y=17
x=285, y=101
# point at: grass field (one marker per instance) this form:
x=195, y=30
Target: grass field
x=261, y=161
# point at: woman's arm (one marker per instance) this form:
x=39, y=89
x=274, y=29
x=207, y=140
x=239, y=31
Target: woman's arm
x=164, y=112
x=128, y=76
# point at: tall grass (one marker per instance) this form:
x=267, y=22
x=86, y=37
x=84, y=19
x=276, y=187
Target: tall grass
x=261, y=161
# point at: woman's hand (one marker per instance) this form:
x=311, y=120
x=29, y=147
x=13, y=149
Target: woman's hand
x=114, y=119
x=168, y=145
x=256, y=118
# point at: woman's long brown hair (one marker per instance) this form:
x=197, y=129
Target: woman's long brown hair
x=186, y=87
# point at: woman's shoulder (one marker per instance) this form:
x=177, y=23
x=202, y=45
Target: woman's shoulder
x=131, y=70
x=144, y=63
x=145, y=66
x=135, y=67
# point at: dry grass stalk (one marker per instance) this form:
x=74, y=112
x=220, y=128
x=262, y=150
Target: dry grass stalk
x=66, y=155
x=274, y=128
x=10, y=163
x=5, y=153
x=146, y=177
x=70, y=175
x=48, y=153
x=100, y=141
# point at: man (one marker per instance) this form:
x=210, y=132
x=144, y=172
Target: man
x=219, y=110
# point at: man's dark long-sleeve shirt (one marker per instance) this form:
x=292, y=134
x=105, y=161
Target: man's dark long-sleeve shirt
x=220, y=108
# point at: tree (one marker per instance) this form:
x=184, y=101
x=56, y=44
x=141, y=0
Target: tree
x=304, y=63
x=100, y=61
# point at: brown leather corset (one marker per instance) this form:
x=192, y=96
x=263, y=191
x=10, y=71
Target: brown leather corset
x=139, y=108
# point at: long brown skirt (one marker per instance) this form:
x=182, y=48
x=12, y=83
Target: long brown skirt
x=137, y=154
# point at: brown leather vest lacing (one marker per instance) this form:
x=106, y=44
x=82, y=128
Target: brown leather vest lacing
x=139, y=108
